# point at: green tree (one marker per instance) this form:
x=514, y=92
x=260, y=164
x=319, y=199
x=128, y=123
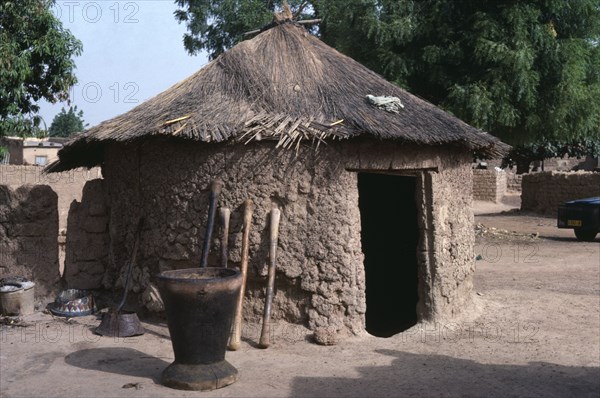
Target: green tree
x=66, y=123
x=522, y=70
x=36, y=62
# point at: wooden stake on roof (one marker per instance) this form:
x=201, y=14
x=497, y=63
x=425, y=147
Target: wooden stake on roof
x=301, y=8
x=284, y=16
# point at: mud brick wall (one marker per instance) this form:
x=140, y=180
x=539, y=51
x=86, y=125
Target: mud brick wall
x=513, y=181
x=28, y=231
x=544, y=192
x=568, y=164
x=489, y=185
x=87, y=239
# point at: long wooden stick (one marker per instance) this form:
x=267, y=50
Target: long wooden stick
x=265, y=335
x=136, y=245
x=303, y=22
x=224, y=214
x=236, y=332
x=215, y=190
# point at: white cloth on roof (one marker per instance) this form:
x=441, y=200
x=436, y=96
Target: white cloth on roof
x=389, y=104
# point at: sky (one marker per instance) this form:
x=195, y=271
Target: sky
x=132, y=50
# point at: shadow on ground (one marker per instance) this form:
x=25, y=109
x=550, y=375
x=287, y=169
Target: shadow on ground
x=569, y=239
x=516, y=213
x=119, y=360
x=438, y=375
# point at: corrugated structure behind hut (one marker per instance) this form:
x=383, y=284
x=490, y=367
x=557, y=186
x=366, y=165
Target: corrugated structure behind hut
x=282, y=119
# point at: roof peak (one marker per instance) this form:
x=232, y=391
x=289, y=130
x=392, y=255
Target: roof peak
x=284, y=16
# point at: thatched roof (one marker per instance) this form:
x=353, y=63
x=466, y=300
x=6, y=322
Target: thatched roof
x=286, y=85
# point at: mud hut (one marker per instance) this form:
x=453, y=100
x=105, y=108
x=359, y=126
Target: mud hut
x=376, y=232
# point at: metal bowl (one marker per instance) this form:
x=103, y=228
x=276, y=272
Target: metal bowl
x=72, y=303
x=15, y=283
x=120, y=324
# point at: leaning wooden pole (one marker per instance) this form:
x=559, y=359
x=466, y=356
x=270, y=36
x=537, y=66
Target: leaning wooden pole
x=265, y=335
x=236, y=332
x=215, y=191
x=224, y=214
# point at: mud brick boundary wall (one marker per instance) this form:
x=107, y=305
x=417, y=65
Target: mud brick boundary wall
x=67, y=185
x=513, y=182
x=544, y=192
x=489, y=185
x=28, y=231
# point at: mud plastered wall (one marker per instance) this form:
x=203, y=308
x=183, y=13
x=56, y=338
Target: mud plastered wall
x=320, y=280
x=67, y=185
x=28, y=231
x=87, y=239
x=450, y=264
x=544, y=192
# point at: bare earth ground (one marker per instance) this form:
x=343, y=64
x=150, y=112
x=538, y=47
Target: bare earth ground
x=535, y=332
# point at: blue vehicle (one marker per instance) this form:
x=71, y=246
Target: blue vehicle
x=582, y=215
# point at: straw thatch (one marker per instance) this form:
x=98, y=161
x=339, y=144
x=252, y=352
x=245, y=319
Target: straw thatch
x=285, y=85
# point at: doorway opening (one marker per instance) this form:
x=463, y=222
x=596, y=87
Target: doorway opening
x=389, y=237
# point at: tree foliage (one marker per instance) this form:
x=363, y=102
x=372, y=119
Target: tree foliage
x=217, y=25
x=522, y=155
x=66, y=123
x=23, y=126
x=522, y=70
x=36, y=61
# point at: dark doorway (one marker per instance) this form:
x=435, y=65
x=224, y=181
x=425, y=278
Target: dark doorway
x=389, y=237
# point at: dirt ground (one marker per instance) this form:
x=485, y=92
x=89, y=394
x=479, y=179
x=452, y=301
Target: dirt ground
x=535, y=332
